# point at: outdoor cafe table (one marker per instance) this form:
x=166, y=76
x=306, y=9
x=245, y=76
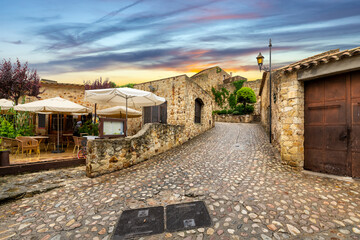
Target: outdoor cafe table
x=39, y=138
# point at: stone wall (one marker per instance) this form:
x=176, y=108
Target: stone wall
x=233, y=118
x=210, y=77
x=109, y=155
x=180, y=93
x=287, y=116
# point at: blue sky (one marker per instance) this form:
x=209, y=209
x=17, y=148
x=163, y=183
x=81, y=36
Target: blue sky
x=143, y=40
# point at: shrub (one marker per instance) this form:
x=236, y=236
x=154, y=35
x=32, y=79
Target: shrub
x=221, y=112
x=246, y=95
x=238, y=85
x=236, y=113
x=90, y=128
x=232, y=101
x=230, y=111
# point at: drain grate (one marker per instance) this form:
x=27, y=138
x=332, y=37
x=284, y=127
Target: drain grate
x=138, y=222
x=187, y=216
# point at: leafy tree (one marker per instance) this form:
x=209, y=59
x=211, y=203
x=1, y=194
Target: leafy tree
x=129, y=85
x=18, y=80
x=99, y=84
x=246, y=95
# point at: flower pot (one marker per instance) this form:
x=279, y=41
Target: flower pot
x=4, y=158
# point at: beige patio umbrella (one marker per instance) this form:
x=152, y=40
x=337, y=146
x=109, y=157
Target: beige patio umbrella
x=51, y=105
x=6, y=104
x=123, y=96
x=119, y=112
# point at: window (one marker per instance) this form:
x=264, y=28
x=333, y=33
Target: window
x=198, y=105
x=41, y=120
x=156, y=114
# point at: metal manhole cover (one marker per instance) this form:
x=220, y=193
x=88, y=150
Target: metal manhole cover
x=187, y=216
x=138, y=222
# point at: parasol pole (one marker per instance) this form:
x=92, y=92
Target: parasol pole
x=58, y=135
x=126, y=116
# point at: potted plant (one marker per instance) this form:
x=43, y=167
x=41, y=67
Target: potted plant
x=4, y=156
x=90, y=128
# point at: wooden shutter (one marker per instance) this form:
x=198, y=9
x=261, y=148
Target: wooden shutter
x=147, y=115
x=155, y=113
x=163, y=113
x=41, y=120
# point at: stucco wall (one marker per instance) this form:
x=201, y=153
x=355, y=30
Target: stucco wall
x=109, y=155
x=287, y=116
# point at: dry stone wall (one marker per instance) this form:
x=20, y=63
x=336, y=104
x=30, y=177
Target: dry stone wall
x=180, y=93
x=109, y=155
x=287, y=116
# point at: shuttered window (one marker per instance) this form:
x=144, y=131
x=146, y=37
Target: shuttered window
x=156, y=114
x=41, y=120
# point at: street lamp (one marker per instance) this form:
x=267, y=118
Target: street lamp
x=260, y=61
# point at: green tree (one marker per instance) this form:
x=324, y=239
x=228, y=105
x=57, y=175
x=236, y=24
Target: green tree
x=246, y=95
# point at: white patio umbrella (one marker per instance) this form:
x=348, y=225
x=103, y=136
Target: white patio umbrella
x=124, y=97
x=6, y=104
x=119, y=111
x=51, y=105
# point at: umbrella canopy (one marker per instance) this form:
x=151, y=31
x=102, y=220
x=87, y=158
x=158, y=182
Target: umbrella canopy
x=119, y=96
x=123, y=96
x=119, y=111
x=56, y=104
x=6, y=104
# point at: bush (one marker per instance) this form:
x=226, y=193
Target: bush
x=246, y=95
x=236, y=113
x=249, y=109
x=221, y=112
x=90, y=128
x=242, y=109
x=230, y=111
x=232, y=101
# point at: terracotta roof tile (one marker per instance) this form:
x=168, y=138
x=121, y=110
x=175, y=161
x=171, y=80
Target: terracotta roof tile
x=323, y=58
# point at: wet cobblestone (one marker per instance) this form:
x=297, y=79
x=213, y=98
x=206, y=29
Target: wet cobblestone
x=248, y=192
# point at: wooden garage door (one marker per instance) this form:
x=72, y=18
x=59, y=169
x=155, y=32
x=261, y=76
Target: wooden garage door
x=332, y=124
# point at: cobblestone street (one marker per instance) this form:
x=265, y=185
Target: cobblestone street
x=232, y=168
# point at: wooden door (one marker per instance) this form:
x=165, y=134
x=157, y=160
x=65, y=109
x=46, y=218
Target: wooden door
x=325, y=125
x=355, y=123
x=332, y=124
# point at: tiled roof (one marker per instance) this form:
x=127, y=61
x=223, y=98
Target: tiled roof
x=323, y=58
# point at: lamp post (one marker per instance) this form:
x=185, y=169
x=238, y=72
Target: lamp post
x=260, y=61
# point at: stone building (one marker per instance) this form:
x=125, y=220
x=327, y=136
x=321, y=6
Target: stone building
x=315, y=112
x=187, y=104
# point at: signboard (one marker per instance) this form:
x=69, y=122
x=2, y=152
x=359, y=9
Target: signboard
x=112, y=127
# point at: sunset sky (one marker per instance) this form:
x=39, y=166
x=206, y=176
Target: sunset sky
x=142, y=40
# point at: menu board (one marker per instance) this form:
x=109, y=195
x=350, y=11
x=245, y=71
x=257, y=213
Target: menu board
x=113, y=127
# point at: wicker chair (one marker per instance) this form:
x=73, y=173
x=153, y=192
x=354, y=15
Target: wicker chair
x=9, y=143
x=52, y=140
x=27, y=144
